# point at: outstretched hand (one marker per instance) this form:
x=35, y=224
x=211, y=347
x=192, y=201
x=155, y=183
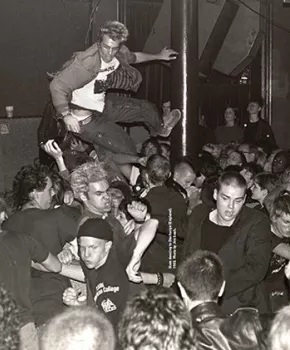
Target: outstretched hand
x=167, y=54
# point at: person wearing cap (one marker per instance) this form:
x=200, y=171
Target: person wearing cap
x=110, y=257
x=106, y=262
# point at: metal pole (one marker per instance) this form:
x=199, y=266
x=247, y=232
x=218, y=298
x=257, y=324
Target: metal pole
x=184, y=76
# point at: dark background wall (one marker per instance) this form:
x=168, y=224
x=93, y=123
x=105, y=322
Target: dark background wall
x=281, y=74
x=37, y=36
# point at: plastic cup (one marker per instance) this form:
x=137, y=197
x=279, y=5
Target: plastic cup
x=9, y=111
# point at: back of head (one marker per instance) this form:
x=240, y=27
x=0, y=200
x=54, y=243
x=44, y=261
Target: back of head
x=267, y=181
x=78, y=328
x=158, y=169
x=201, y=275
x=156, y=319
x=279, y=336
x=9, y=322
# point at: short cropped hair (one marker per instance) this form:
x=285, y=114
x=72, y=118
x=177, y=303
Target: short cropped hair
x=279, y=334
x=183, y=167
x=201, y=275
x=267, y=181
x=28, y=179
x=115, y=30
x=9, y=321
x=85, y=174
x=158, y=169
x=78, y=328
x=231, y=178
x=156, y=319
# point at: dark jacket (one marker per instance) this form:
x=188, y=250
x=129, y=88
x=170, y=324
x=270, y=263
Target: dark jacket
x=264, y=136
x=213, y=330
x=83, y=68
x=246, y=256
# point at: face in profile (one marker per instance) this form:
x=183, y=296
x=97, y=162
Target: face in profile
x=108, y=48
x=248, y=176
x=258, y=194
x=229, y=202
x=186, y=180
x=44, y=197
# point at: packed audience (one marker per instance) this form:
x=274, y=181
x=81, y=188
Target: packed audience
x=108, y=248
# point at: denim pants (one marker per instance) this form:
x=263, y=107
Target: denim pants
x=103, y=131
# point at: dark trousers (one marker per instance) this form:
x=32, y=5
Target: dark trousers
x=104, y=132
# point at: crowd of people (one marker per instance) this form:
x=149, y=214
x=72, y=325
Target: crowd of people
x=104, y=246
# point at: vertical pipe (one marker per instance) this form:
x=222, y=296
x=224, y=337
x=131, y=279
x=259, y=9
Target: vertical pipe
x=270, y=64
x=184, y=76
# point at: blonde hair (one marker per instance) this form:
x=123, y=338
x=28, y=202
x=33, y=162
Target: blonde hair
x=85, y=174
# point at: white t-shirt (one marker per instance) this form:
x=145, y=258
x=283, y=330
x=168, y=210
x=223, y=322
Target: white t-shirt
x=85, y=96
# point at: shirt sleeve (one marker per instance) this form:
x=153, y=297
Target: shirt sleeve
x=38, y=251
x=130, y=56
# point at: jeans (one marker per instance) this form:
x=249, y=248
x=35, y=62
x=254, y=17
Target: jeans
x=103, y=130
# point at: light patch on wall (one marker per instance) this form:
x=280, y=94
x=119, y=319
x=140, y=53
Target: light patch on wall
x=4, y=129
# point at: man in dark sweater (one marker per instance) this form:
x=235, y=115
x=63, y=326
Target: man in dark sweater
x=257, y=130
x=241, y=238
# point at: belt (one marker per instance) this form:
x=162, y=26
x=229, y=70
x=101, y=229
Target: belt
x=86, y=121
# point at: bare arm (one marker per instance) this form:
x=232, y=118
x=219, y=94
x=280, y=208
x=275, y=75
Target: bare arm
x=73, y=271
x=146, y=235
x=283, y=250
x=164, y=55
x=50, y=264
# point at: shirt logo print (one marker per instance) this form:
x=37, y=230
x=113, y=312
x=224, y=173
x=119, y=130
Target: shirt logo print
x=108, y=305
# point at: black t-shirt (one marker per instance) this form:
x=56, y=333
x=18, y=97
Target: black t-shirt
x=109, y=286
x=251, y=132
x=169, y=208
x=16, y=253
x=213, y=236
x=53, y=228
x=275, y=279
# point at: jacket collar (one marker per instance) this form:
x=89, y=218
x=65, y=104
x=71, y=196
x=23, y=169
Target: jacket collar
x=206, y=311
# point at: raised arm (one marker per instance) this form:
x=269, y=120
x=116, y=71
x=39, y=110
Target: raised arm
x=164, y=55
x=146, y=234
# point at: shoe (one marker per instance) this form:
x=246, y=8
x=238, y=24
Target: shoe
x=169, y=122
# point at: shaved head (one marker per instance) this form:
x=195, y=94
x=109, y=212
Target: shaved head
x=184, y=174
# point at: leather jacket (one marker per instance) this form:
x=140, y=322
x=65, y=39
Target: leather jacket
x=243, y=330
